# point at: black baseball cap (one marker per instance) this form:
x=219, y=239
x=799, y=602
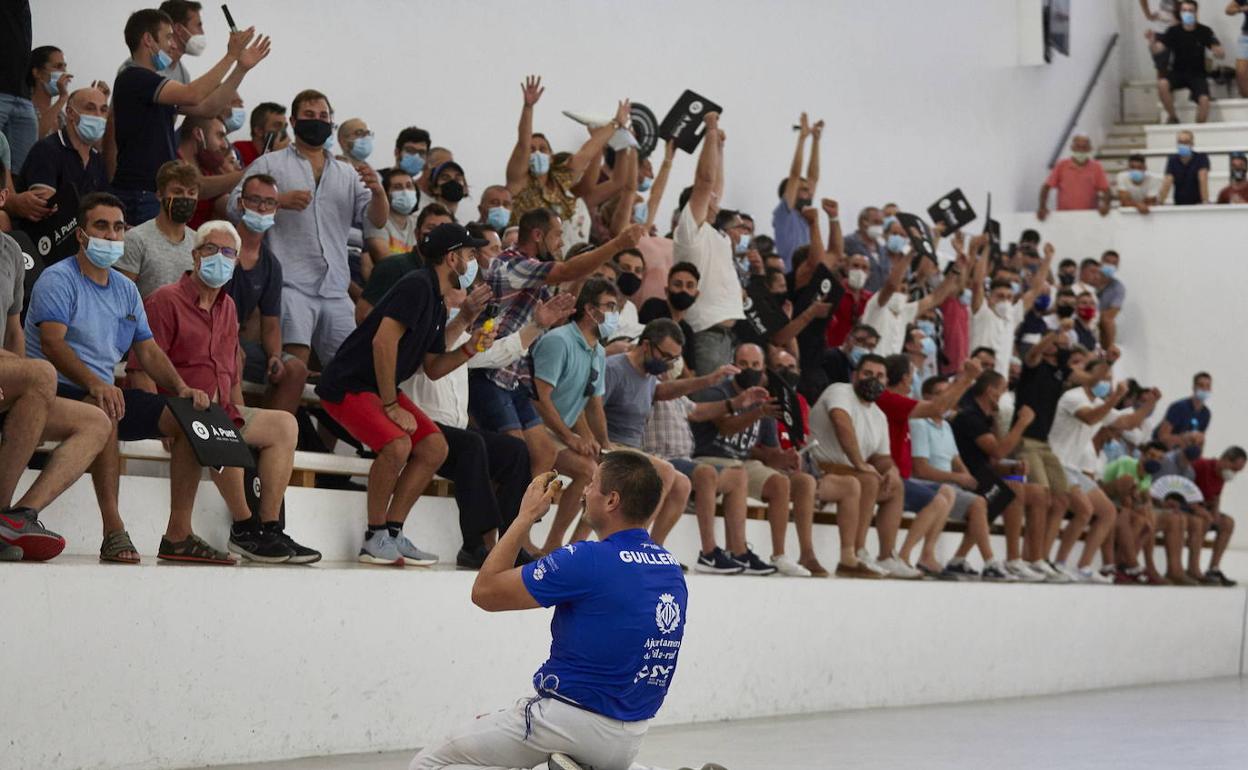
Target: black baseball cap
x=445, y=238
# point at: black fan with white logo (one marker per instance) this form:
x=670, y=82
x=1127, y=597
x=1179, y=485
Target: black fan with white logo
x=645, y=128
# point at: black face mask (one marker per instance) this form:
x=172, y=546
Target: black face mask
x=869, y=388
x=1065, y=311
x=1151, y=467
x=180, y=210
x=748, y=378
x=1066, y=279
x=681, y=300
x=790, y=377
x=779, y=297
x=312, y=131
x=452, y=191
x=802, y=203
x=629, y=283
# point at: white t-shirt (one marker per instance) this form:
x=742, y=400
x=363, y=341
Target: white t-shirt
x=399, y=238
x=989, y=330
x=1071, y=438
x=870, y=425
x=630, y=326
x=719, y=291
x=1138, y=192
x=890, y=321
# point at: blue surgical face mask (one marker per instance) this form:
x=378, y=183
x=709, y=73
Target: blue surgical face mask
x=609, y=324
x=896, y=243
x=1101, y=389
x=90, y=128
x=742, y=245
x=1185, y=150
x=927, y=327
x=1137, y=176
x=888, y=223
x=361, y=148
x=1188, y=18
x=161, y=60
x=645, y=184
x=412, y=163
x=1203, y=395
x=965, y=297
x=1108, y=270
x=403, y=201
x=216, y=270
x=238, y=116
x=1015, y=287
x=929, y=347
x=50, y=86
x=257, y=222
x=104, y=253
x=470, y=274
x=641, y=211
x=856, y=354
x=539, y=163
x=498, y=217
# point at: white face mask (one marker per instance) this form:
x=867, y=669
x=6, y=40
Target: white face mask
x=1228, y=474
x=196, y=45
x=896, y=303
x=875, y=231
x=1002, y=309
x=857, y=279
x=677, y=369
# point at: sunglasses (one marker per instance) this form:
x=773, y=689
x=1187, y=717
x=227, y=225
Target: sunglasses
x=589, y=386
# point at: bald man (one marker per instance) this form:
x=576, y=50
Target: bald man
x=355, y=139
x=1080, y=181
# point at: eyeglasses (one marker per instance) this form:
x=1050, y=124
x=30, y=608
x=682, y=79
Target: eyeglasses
x=257, y=202
x=667, y=357
x=589, y=386
x=359, y=134
x=210, y=249
x=610, y=307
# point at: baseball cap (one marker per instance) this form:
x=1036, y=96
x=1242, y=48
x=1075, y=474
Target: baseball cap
x=446, y=165
x=445, y=238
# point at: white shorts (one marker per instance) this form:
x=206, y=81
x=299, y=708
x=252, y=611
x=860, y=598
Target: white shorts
x=497, y=741
x=1076, y=478
x=322, y=323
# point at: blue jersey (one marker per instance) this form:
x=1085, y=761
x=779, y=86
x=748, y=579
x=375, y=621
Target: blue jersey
x=620, y=612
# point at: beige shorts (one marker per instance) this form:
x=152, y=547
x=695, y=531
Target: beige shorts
x=756, y=471
x=1043, y=467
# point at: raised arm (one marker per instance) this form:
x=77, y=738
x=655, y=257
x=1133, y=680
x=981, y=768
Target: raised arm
x=812, y=166
x=669, y=389
x=219, y=98
x=518, y=163
x=660, y=183
x=1040, y=278
x=795, y=168
x=704, y=176
x=1092, y=415
x=951, y=285
x=627, y=189
x=979, y=245
x=896, y=276
x=951, y=395
x=598, y=139
x=583, y=264
x=999, y=450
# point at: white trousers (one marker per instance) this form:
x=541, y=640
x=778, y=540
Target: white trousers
x=497, y=741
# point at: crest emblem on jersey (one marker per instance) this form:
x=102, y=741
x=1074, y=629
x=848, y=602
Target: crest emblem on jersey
x=571, y=549
x=539, y=572
x=667, y=613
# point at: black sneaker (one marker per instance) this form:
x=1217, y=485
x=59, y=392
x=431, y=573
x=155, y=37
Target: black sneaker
x=752, y=564
x=300, y=554
x=471, y=559
x=718, y=562
x=961, y=570
x=260, y=545
x=1226, y=582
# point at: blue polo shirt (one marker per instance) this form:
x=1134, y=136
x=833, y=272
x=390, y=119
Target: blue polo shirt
x=1184, y=416
x=564, y=359
x=1187, y=177
x=102, y=322
x=620, y=611
x=791, y=231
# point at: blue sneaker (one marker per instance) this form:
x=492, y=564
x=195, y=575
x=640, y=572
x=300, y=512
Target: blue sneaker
x=412, y=555
x=380, y=549
x=718, y=562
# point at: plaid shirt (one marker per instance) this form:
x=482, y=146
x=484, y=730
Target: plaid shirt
x=667, y=431
x=519, y=283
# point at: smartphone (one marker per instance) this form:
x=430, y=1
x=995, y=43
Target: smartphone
x=269, y=139
x=228, y=18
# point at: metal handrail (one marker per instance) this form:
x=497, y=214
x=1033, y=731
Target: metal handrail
x=1083, y=100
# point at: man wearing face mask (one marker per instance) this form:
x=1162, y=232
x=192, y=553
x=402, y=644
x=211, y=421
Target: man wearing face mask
x=69, y=162
x=405, y=333
x=389, y=270
x=145, y=103
x=995, y=317
x=1080, y=181
x=1187, y=419
x=682, y=292
x=1211, y=476
x=321, y=197
x=1237, y=190
x=195, y=322
x=234, y=117
x=1110, y=296
x=256, y=289
x=83, y=318
x=355, y=140
x=188, y=38
x=158, y=251
x=797, y=193
x=1137, y=188
x=268, y=132
x=411, y=153
x=402, y=231
x=868, y=241
x=494, y=210
x=1187, y=172
x=449, y=187
x=1185, y=43
x=890, y=311
x=202, y=144
x=1085, y=321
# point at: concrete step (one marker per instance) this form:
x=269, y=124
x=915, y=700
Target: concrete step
x=1221, y=111
x=1162, y=137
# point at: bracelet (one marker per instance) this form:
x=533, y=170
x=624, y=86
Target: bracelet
x=467, y=349
x=392, y=403
x=834, y=219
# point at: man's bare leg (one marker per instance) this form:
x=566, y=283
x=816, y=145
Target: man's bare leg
x=925, y=520
x=1197, y=528
x=287, y=395
x=802, y=493
x=892, y=504
x=82, y=430
x=1167, y=97
x=1058, y=505
x=1037, y=518
x=427, y=456
x=776, y=494
x=29, y=387
x=705, y=483
x=735, y=486
x=1226, y=528
x=383, y=476
x=1082, y=508
x=845, y=491
x=1104, y=518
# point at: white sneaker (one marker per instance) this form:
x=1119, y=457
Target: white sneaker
x=899, y=570
x=786, y=566
x=1089, y=575
x=1023, y=571
x=1068, y=572
x=995, y=571
x=1051, y=575
x=870, y=563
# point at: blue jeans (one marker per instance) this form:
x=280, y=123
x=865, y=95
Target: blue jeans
x=20, y=126
x=141, y=205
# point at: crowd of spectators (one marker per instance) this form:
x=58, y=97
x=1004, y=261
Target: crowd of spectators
x=543, y=321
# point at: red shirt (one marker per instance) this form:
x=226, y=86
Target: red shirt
x=1208, y=478
x=956, y=323
x=897, y=409
x=1077, y=185
x=783, y=432
x=846, y=316
x=201, y=344
x=247, y=152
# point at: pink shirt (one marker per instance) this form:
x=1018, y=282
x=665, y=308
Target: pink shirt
x=658, y=254
x=956, y=322
x=1077, y=185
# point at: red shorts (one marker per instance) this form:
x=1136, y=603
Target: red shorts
x=361, y=414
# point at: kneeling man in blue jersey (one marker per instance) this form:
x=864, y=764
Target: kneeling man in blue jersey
x=620, y=611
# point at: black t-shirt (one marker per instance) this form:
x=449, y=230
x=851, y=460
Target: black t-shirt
x=1187, y=177
x=1243, y=4
x=144, y=128
x=709, y=442
x=969, y=424
x=1187, y=47
x=819, y=369
x=1040, y=387
x=53, y=161
x=656, y=307
x=416, y=302
x=259, y=287
x=14, y=47
x=387, y=273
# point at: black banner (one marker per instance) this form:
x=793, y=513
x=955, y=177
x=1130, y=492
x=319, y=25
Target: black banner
x=953, y=211
x=790, y=409
x=761, y=311
x=214, y=438
x=683, y=121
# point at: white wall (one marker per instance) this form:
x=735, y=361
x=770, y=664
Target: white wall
x=919, y=97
